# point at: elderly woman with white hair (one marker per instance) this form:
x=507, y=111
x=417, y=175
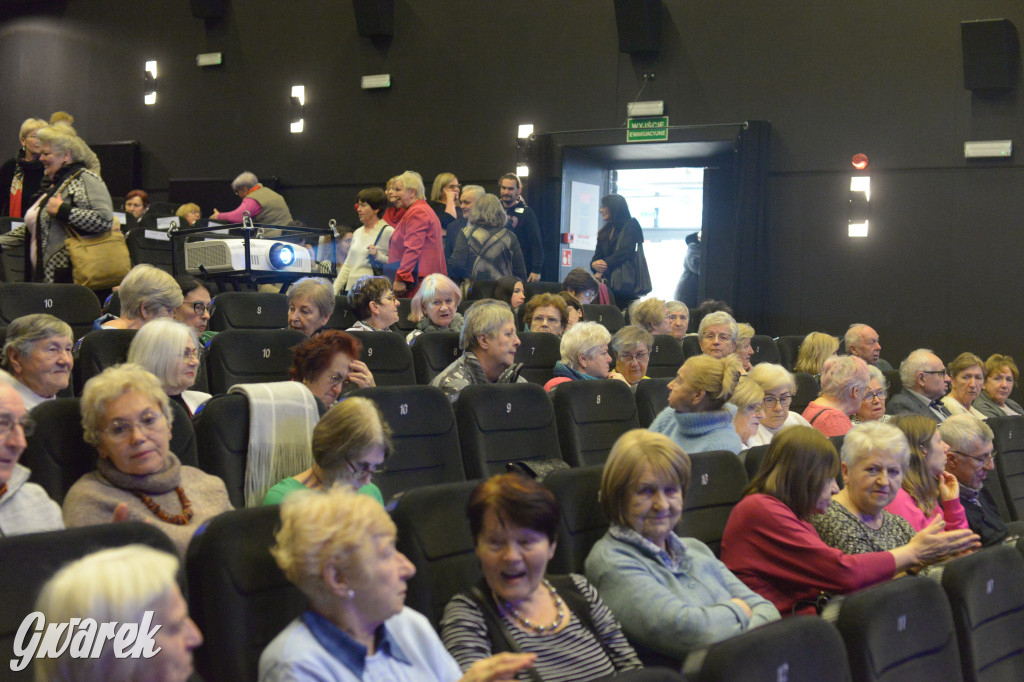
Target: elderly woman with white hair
x=651, y=315
x=130, y=584
x=264, y=205
x=170, y=350
x=146, y=293
x=338, y=548
x=435, y=307
x=127, y=416
x=872, y=406
x=77, y=201
x=486, y=249
x=417, y=246
x=632, y=347
x=489, y=342
x=748, y=402
x=844, y=381
x=584, y=350
x=779, y=387
x=678, y=319
x=717, y=334
x=310, y=304
x=874, y=462
x=37, y=359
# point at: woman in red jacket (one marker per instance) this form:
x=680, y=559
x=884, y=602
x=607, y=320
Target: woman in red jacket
x=417, y=246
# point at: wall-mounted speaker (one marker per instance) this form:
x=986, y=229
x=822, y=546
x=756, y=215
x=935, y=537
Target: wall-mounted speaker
x=991, y=54
x=639, y=24
x=208, y=9
x=375, y=18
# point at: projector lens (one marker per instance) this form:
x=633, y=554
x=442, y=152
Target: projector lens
x=281, y=255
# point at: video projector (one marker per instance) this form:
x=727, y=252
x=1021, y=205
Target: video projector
x=228, y=255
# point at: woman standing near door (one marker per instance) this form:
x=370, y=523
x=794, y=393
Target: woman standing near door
x=619, y=259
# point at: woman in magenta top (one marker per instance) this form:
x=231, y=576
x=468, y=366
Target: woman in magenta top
x=771, y=546
x=844, y=381
x=928, y=489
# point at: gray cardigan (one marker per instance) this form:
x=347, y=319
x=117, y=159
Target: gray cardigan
x=26, y=508
x=990, y=408
x=671, y=604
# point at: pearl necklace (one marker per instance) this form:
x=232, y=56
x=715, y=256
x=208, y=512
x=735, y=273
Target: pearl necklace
x=539, y=629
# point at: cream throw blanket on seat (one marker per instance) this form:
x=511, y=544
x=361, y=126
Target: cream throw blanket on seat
x=282, y=416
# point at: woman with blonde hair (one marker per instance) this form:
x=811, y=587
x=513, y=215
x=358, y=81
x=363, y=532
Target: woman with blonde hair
x=748, y=400
x=188, y=214
x=339, y=550
x=814, y=351
x=21, y=176
x=928, y=489
x=350, y=444
x=695, y=418
x=744, y=351
x=134, y=584
x=967, y=377
x=651, y=315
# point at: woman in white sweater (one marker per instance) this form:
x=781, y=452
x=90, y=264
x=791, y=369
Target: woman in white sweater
x=369, y=243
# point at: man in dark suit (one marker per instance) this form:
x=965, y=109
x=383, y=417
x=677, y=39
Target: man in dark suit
x=925, y=381
x=970, y=459
x=862, y=341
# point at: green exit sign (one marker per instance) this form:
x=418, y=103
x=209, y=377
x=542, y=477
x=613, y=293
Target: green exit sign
x=647, y=129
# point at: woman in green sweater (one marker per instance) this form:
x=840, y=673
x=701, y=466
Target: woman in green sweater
x=350, y=444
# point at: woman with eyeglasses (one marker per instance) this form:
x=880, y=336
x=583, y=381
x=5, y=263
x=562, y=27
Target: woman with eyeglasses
x=170, y=351
x=350, y=444
x=326, y=361
x=374, y=302
x=195, y=308
x=779, y=387
x=126, y=416
x=872, y=407
x=632, y=348
x=435, y=307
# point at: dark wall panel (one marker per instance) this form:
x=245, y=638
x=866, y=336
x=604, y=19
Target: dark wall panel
x=883, y=77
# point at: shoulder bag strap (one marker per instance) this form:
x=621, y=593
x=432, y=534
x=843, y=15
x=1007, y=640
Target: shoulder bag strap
x=579, y=605
x=486, y=245
x=496, y=626
x=811, y=420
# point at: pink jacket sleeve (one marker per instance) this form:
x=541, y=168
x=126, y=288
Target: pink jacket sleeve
x=250, y=205
x=952, y=511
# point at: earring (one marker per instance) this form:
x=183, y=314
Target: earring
x=351, y=594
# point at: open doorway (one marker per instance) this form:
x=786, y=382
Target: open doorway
x=669, y=205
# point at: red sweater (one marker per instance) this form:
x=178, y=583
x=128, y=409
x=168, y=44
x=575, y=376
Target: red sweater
x=782, y=558
x=417, y=244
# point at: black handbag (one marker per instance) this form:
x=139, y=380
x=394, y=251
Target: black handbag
x=632, y=276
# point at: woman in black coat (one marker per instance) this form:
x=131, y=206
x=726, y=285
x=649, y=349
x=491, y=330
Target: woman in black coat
x=615, y=261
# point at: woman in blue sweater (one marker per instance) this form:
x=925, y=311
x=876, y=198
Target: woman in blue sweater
x=670, y=594
x=694, y=418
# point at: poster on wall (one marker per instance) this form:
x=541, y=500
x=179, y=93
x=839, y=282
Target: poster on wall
x=584, y=215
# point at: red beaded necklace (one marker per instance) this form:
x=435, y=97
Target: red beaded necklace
x=181, y=519
x=3, y=490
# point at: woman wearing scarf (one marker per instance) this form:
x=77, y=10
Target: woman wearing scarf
x=585, y=355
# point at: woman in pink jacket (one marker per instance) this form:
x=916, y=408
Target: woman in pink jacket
x=417, y=246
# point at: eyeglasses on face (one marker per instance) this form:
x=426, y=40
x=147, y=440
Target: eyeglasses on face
x=940, y=372
x=876, y=395
x=984, y=459
x=199, y=307
x=628, y=358
x=711, y=336
x=121, y=429
x=7, y=423
x=783, y=400
x=360, y=469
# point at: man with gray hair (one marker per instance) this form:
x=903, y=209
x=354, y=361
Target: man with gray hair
x=862, y=342
x=489, y=341
x=925, y=381
x=971, y=459
x=264, y=205
x=467, y=200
